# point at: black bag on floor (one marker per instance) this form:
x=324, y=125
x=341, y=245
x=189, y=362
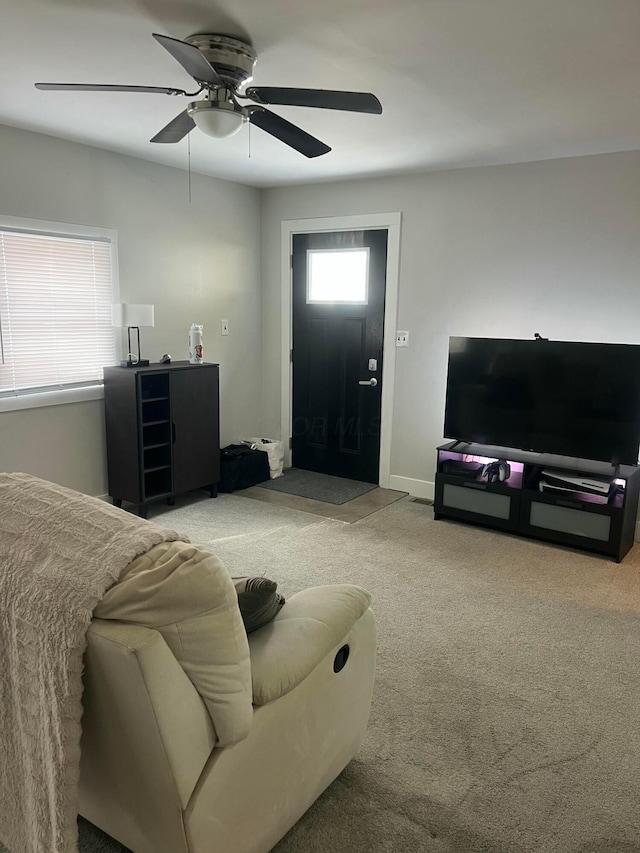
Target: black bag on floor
x=241, y=467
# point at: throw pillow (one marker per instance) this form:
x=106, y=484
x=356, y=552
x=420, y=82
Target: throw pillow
x=258, y=601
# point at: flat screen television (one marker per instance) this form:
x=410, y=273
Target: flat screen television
x=557, y=397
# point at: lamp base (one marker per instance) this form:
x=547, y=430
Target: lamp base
x=144, y=362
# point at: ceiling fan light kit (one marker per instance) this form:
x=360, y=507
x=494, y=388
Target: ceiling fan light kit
x=217, y=118
x=222, y=65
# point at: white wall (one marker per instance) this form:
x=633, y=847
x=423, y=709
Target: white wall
x=552, y=247
x=506, y=251
x=195, y=261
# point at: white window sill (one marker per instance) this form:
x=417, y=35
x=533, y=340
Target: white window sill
x=51, y=398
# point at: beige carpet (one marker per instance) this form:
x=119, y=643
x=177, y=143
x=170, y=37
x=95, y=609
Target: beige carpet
x=506, y=714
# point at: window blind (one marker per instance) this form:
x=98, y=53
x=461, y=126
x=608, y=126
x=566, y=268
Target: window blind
x=56, y=294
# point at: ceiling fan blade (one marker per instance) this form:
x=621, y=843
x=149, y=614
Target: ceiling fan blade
x=191, y=60
x=286, y=132
x=356, y=102
x=99, y=87
x=176, y=130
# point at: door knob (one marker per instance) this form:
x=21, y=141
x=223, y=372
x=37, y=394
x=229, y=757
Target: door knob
x=373, y=382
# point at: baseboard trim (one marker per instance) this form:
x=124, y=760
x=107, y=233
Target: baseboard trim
x=417, y=488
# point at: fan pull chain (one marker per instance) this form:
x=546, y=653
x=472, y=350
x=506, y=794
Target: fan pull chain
x=189, y=162
x=249, y=140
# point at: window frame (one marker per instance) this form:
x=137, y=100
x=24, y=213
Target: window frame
x=36, y=399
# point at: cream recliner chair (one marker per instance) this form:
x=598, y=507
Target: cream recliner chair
x=151, y=775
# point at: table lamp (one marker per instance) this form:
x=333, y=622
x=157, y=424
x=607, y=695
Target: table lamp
x=133, y=316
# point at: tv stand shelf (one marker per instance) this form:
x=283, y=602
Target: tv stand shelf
x=603, y=523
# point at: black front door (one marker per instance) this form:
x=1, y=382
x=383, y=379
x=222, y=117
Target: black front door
x=338, y=324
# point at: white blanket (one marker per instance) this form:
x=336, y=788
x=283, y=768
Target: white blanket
x=59, y=552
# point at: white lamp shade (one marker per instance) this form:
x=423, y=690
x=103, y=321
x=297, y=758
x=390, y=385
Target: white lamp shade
x=218, y=123
x=132, y=315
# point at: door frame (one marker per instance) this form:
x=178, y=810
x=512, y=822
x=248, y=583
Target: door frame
x=360, y=222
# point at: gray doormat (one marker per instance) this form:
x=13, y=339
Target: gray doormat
x=318, y=487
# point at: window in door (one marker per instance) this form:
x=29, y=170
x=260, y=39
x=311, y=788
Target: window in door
x=337, y=275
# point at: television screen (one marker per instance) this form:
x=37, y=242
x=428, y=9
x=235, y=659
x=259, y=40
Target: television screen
x=560, y=397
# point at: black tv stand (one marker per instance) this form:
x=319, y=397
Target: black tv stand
x=604, y=524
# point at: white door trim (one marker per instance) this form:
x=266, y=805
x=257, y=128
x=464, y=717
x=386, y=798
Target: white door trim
x=390, y=221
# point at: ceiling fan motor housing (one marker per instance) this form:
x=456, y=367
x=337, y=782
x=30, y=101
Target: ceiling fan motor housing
x=231, y=57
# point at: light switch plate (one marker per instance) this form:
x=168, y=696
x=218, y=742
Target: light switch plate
x=224, y=327
x=402, y=339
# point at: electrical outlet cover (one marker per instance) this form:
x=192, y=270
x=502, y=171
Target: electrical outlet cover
x=402, y=339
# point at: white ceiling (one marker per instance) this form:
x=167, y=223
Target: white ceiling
x=462, y=82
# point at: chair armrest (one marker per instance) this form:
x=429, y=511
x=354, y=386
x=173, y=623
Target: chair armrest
x=311, y=623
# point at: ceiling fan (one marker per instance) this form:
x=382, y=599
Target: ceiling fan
x=221, y=65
